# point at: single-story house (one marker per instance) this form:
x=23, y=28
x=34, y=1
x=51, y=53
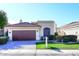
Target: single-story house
x=30, y=31
x=70, y=29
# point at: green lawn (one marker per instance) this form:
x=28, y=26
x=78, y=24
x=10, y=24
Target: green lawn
x=60, y=46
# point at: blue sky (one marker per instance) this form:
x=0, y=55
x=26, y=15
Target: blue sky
x=29, y=12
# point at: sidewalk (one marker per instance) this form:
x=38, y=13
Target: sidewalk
x=48, y=52
x=39, y=52
x=18, y=52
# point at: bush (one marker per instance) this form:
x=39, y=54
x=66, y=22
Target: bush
x=42, y=38
x=59, y=38
x=69, y=38
x=3, y=40
x=51, y=37
x=56, y=34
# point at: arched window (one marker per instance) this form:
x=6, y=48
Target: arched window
x=46, y=31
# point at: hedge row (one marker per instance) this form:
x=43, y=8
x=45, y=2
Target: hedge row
x=66, y=38
x=69, y=38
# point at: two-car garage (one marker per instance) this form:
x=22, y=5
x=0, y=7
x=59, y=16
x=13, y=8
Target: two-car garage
x=16, y=34
x=21, y=35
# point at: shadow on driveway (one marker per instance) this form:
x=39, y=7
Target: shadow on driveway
x=16, y=44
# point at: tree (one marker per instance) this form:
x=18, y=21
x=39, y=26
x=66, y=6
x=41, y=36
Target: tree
x=3, y=19
x=56, y=34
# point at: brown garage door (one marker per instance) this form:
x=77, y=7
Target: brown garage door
x=24, y=35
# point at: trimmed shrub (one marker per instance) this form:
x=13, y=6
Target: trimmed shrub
x=59, y=38
x=69, y=38
x=42, y=38
x=51, y=37
x=3, y=39
x=56, y=34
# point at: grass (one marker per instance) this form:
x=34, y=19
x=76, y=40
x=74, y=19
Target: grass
x=59, y=45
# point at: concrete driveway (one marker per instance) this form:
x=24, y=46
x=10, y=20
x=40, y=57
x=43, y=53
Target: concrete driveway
x=15, y=48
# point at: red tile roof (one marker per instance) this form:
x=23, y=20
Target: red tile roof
x=23, y=24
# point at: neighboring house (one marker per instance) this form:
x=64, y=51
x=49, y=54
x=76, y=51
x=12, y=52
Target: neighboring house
x=30, y=31
x=70, y=29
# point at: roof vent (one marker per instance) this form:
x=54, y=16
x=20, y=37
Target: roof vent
x=20, y=20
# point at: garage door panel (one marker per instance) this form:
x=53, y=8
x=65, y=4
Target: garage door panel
x=24, y=35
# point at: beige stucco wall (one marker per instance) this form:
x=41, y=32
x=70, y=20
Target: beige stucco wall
x=50, y=25
x=10, y=29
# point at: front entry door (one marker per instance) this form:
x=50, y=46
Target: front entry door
x=46, y=31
